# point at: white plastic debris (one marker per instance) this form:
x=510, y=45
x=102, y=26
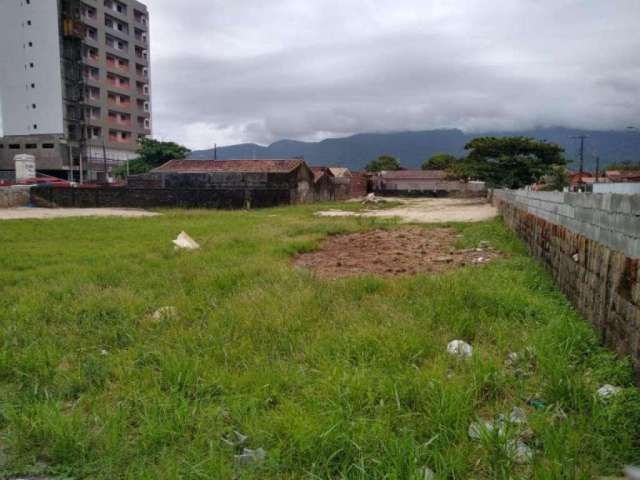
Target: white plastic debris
x=428, y=474
x=520, y=451
x=251, y=456
x=608, y=391
x=460, y=349
x=165, y=312
x=104, y=353
x=185, y=242
x=512, y=359
x=237, y=441
x=477, y=429
x=518, y=416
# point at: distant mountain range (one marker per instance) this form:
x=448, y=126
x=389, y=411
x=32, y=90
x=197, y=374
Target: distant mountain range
x=412, y=148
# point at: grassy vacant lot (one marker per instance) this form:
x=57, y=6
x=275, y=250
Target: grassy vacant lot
x=334, y=379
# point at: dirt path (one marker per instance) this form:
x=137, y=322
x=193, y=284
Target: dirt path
x=428, y=210
x=25, y=213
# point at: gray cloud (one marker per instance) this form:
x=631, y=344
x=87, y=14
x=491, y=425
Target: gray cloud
x=247, y=70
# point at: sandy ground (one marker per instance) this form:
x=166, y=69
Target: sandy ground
x=428, y=210
x=405, y=251
x=25, y=213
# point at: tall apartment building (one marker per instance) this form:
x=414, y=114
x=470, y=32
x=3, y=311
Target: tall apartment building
x=74, y=84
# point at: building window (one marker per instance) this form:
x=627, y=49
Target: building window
x=33, y=85
x=47, y=145
x=31, y=44
x=33, y=105
x=31, y=146
x=14, y=146
x=35, y=126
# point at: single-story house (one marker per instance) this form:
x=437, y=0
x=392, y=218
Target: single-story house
x=273, y=181
x=423, y=183
x=323, y=184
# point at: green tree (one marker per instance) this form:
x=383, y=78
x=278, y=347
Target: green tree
x=439, y=161
x=151, y=154
x=557, y=180
x=384, y=162
x=627, y=165
x=511, y=162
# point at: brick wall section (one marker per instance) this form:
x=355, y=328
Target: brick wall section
x=591, y=245
x=157, y=197
x=14, y=197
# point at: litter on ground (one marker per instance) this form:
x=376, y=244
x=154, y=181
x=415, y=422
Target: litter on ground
x=249, y=456
x=185, y=242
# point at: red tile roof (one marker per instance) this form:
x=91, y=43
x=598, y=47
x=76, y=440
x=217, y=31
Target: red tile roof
x=623, y=175
x=318, y=172
x=242, y=166
x=414, y=175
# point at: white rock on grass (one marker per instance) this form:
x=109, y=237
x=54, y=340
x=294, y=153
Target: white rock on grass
x=520, y=451
x=608, y=391
x=460, y=349
x=428, y=474
x=249, y=456
x=165, y=312
x=478, y=429
x=518, y=416
x=185, y=242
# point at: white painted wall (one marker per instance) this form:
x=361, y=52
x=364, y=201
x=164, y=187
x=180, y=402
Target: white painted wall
x=629, y=188
x=17, y=97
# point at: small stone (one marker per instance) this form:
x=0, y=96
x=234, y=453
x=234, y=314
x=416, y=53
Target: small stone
x=460, y=349
x=428, y=474
x=443, y=259
x=520, y=451
x=608, y=391
x=576, y=257
x=249, y=456
x=518, y=416
x=165, y=312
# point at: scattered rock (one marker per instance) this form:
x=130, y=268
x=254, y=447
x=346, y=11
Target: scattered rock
x=520, y=451
x=607, y=391
x=249, y=456
x=164, y=313
x=236, y=440
x=443, y=259
x=185, y=242
x=512, y=359
x=518, y=416
x=428, y=474
x=484, y=244
x=460, y=349
x=477, y=429
x=576, y=257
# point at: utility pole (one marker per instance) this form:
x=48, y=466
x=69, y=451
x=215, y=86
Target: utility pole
x=104, y=161
x=597, y=169
x=582, y=138
x=215, y=151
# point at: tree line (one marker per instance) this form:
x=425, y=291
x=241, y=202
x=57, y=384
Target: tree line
x=501, y=162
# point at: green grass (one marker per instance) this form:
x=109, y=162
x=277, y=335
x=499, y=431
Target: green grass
x=345, y=379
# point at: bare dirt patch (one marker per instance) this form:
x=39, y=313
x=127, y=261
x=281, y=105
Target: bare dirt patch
x=26, y=213
x=426, y=210
x=407, y=251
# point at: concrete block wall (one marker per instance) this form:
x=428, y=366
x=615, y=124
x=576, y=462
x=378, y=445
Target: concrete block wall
x=591, y=245
x=11, y=197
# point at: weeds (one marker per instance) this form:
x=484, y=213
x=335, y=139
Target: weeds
x=344, y=379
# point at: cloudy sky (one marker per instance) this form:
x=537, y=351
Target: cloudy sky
x=231, y=71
